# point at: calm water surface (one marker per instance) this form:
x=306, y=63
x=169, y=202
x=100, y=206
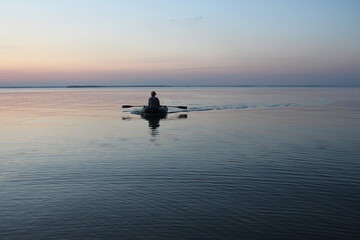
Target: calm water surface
x=240, y=163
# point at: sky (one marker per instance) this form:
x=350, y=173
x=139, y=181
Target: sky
x=179, y=42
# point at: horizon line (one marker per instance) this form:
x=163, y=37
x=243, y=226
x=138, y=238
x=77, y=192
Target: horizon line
x=161, y=86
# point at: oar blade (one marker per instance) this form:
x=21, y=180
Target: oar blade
x=182, y=107
x=126, y=106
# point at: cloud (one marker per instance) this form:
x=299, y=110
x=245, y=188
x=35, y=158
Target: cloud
x=195, y=18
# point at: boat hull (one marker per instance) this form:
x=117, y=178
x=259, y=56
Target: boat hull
x=154, y=110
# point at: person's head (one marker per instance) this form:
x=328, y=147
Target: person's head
x=153, y=93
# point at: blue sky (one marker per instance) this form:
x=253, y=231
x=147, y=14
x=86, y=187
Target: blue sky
x=108, y=42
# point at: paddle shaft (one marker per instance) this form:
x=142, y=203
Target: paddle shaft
x=182, y=107
x=129, y=106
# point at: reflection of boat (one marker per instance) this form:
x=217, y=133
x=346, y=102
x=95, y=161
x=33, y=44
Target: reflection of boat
x=153, y=119
x=146, y=110
x=154, y=122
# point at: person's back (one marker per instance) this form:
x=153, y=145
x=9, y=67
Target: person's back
x=154, y=101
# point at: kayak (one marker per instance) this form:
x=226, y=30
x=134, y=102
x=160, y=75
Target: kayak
x=154, y=110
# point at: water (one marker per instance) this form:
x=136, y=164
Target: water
x=240, y=163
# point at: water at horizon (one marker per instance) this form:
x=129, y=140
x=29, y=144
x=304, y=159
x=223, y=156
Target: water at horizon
x=240, y=163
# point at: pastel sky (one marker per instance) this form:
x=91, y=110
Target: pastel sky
x=177, y=42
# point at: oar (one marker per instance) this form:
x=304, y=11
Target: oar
x=130, y=106
x=182, y=107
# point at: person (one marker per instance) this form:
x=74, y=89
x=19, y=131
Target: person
x=154, y=101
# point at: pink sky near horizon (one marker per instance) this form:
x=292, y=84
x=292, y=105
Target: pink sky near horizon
x=213, y=42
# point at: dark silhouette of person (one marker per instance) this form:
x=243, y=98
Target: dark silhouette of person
x=154, y=101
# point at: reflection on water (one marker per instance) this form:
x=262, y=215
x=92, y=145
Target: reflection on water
x=154, y=123
x=154, y=120
x=182, y=116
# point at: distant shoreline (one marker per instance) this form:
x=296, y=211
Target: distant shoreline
x=184, y=86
